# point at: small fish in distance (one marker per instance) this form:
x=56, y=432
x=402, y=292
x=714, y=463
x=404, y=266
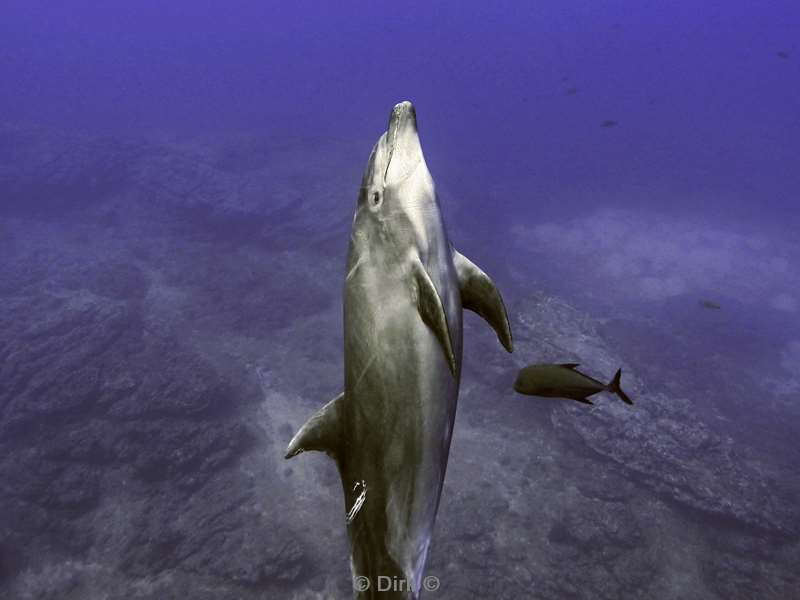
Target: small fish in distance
x=565, y=381
x=710, y=304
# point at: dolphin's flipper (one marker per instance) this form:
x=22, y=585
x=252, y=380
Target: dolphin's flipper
x=320, y=432
x=479, y=295
x=432, y=312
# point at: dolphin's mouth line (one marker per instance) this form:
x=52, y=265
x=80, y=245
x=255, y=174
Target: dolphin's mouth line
x=409, y=169
x=399, y=115
x=392, y=145
x=401, y=140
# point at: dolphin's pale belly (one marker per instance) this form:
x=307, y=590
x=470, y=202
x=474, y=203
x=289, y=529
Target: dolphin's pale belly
x=400, y=402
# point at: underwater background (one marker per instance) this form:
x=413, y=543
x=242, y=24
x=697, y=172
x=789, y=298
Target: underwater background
x=177, y=186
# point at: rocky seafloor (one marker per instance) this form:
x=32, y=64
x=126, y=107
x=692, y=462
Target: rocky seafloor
x=170, y=313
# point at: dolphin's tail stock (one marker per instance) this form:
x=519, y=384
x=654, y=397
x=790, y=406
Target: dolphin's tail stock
x=614, y=387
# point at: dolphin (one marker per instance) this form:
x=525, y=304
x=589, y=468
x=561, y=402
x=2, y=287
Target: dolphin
x=389, y=431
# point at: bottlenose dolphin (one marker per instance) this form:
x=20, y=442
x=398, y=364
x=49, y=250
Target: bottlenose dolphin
x=389, y=431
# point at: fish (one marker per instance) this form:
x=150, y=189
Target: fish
x=389, y=431
x=565, y=381
x=782, y=54
x=608, y=123
x=710, y=304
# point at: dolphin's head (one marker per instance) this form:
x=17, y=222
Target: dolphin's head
x=396, y=177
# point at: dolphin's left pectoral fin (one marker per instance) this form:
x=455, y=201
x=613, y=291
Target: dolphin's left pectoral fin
x=432, y=312
x=321, y=432
x=479, y=294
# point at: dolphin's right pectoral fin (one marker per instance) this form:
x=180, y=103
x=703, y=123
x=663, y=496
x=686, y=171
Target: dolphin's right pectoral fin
x=432, y=312
x=479, y=294
x=321, y=432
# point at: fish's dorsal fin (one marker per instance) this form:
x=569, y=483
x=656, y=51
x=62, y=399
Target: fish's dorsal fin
x=432, y=312
x=570, y=365
x=479, y=294
x=321, y=432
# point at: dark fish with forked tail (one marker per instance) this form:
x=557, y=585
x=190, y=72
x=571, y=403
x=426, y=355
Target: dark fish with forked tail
x=565, y=381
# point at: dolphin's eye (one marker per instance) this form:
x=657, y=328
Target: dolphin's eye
x=376, y=198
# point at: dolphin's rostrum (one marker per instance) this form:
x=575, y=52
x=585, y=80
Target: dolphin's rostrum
x=389, y=431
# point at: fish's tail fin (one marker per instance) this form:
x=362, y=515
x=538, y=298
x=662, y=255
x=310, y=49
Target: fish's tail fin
x=615, y=388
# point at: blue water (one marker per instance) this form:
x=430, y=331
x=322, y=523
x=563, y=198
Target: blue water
x=707, y=110
x=198, y=164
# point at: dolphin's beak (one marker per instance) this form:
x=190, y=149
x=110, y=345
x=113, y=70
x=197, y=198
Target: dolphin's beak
x=405, y=151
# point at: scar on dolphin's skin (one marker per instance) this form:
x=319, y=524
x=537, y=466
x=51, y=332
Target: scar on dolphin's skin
x=359, y=502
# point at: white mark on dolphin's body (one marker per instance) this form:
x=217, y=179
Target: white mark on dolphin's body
x=364, y=370
x=359, y=502
x=354, y=269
